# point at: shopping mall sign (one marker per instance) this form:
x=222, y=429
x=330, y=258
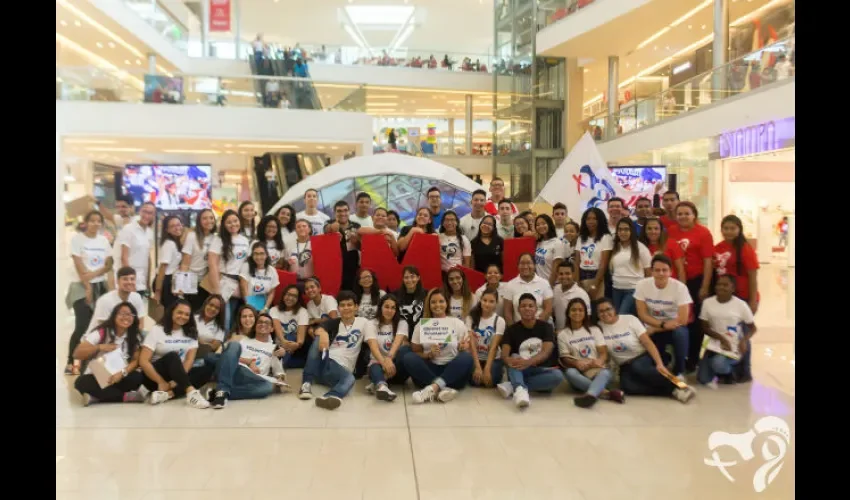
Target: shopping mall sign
x=761, y=138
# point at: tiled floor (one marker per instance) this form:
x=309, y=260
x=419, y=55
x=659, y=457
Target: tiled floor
x=476, y=447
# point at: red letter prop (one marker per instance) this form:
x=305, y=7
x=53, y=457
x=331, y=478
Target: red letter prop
x=327, y=262
x=515, y=247
x=377, y=256
x=286, y=278
x=424, y=253
x=475, y=279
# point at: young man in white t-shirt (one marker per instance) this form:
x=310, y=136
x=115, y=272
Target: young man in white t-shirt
x=469, y=222
x=505, y=226
x=242, y=365
x=334, y=354
x=311, y=212
x=135, y=242
x=125, y=292
x=361, y=210
x=559, y=217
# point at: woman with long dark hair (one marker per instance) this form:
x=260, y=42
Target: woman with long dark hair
x=487, y=329
x=630, y=261
x=286, y=217
x=119, y=331
x=570, y=238
x=422, y=223
x=258, y=279
x=493, y=283
x=270, y=234
x=168, y=354
x=210, y=321
x=245, y=321
x=487, y=246
x=654, y=236
x=411, y=296
x=169, y=259
x=522, y=228
x=227, y=254
x=368, y=292
x=387, y=338
x=196, y=246
x=551, y=250
x=461, y=300
x=593, y=251
x=290, y=327
x=246, y=217
x=737, y=258
x=455, y=249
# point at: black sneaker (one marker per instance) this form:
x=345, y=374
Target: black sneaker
x=584, y=401
x=220, y=400
x=328, y=402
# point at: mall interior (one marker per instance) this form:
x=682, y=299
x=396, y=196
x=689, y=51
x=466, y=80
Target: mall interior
x=262, y=95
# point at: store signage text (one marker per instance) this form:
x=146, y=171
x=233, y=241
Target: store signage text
x=761, y=138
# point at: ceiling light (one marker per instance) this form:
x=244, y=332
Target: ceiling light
x=703, y=26
x=334, y=147
x=111, y=45
x=117, y=150
x=690, y=26
x=70, y=178
x=320, y=147
x=381, y=96
x=99, y=45
x=126, y=61
x=63, y=23
x=77, y=23
x=193, y=151
x=267, y=146
x=88, y=141
x=655, y=48
x=138, y=62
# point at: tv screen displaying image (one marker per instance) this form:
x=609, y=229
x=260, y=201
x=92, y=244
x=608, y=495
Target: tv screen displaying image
x=638, y=182
x=170, y=187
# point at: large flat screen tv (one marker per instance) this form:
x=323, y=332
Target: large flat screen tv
x=169, y=187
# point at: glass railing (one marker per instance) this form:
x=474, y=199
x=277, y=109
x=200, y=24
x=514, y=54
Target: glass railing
x=552, y=11
x=162, y=21
x=89, y=83
x=764, y=67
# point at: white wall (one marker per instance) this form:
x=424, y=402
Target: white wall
x=773, y=102
x=468, y=165
x=587, y=19
x=403, y=77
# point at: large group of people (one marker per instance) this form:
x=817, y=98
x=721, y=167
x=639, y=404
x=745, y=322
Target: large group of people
x=614, y=304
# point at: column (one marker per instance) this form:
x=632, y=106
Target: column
x=205, y=27
x=613, y=96
x=574, y=103
x=451, y=137
x=237, y=32
x=468, y=123
x=720, y=49
x=151, y=63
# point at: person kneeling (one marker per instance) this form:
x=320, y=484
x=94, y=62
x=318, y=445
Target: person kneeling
x=244, y=364
x=334, y=353
x=527, y=349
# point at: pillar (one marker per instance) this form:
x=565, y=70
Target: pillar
x=451, y=137
x=205, y=27
x=574, y=103
x=151, y=63
x=237, y=31
x=613, y=96
x=720, y=49
x=468, y=123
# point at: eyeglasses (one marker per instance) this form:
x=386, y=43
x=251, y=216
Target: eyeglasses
x=126, y=315
x=264, y=323
x=606, y=310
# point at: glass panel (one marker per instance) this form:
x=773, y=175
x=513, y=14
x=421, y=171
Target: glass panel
x=403, y=192
x=343, y=190
x=376, y=186
x=552, y=11
x=462, y=203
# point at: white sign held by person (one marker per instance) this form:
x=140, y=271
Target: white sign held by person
x=436, y=331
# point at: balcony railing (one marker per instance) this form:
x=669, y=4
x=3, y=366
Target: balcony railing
x=766, y=66
x=552, y=11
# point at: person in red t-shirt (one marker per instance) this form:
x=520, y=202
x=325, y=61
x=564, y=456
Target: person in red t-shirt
x=497, y=194
x=657, y=240
x=737, y=258
x=698, y=245
x=670, y=200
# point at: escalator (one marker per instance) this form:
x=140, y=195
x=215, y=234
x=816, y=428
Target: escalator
x=302, y=94
x=275, y=173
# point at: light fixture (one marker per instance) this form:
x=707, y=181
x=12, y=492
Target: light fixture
x=111, y=45
x=88, y=141
x=267, y=146
x=703, y=26
x=70, y=178
x=334, y=147
x=193, y=151
x=77, y=23
x=690, y=26
x=117, y=150
x=63, y=22
x=126, y=61
x=138, y=62
x=320, y=147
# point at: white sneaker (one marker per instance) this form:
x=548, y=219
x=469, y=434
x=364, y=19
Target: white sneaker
x=713, y=384
x=426, y=395
x=306, y=391
x=196, y=400
x=384, y=393
x=521, y=399
x=506, y=389
x=157, y=397
x=328, y=402
x=370, y=389
x=684, y=395
x=447, y=394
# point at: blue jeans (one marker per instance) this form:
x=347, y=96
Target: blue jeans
x=581, y=383
x=327, y=372
x=376, y=371
x=297, y=359
x=680, y=338
x=640, y=377
x=230, y=310
x=536, y=378
x=453, y=374
x=497, y=370
x=237, y=381
x=624, y=301
x=713, y=364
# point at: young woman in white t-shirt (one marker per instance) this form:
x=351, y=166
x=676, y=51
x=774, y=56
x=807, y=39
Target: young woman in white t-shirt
x=582, y=350
x=593, y=251
x=455, y=248
x=629, y=264
x=246, y=319
x=461, y=300
x=246, y=217
x=299, y=252
x=258, y=280
x=210, y=321
x=387, y=338
x=92, y=257
x=169, y=260
x=269, y=233
x=368, y=292
x=320, y=307
x=727, y=321
x=551, y=250
x=168, y=353
x=119, y=331
x=642, y=371
x=493, y=283
x=286, y=219
x=290, y=327
x=196, y=246
x=438, y=367
x=487, y=329
x=227, y=254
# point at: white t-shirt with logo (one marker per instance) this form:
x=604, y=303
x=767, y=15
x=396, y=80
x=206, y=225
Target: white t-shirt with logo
x=106, y=303
x=260, y=352
x=367, y=309
x=170, y=256
x=580, y=343
x=93, y=252
x=456, y=306
x=384, y=336
x=469, y=225
x=625, y=275
x=443, y=327
x=198, y=263
x=363, y=221
x=273, y=252
x=208, y=331
x=561, y=299
x=663, y=303
x=590, y=252
x=317, y=221
x=138, y=240
x=299, y=256
x=289, y=321
x=322, y=311
x=538, y=287
x=262, y=281
x=500, y=306
x=345, y=347
x=623, y=338
x=487, y=330
x=545, y=255
x=726, y=318
x=241, y=248
x=450, y=253
x=161, y=344
x=93, y=338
